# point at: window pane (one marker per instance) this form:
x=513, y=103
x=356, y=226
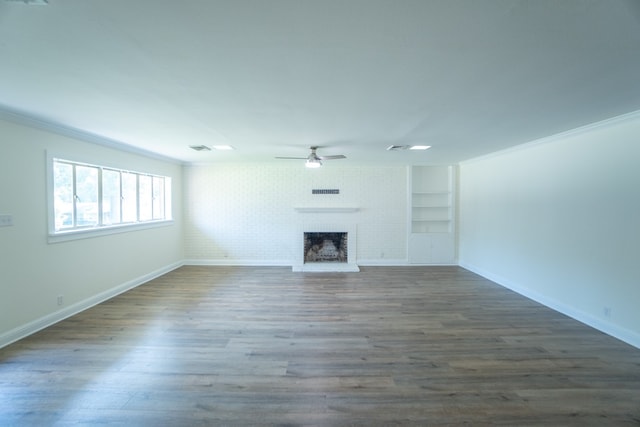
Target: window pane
x=129, y=197
x=167, y=197
x=86, y=196
x=146, y=197
x=110, y=197
x=158, y=197
x=63, y=195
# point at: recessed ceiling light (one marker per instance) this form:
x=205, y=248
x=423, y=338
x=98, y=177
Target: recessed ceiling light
x=223, y=147
x=200, y=147
x=419, y=147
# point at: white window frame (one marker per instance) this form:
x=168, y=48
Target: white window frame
x=83, y=232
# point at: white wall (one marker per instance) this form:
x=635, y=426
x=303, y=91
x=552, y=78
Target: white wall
x=33, y=272
x=244, y=214
x=559, y=221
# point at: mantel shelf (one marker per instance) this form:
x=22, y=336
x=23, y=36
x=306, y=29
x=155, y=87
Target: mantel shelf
x=325, y=209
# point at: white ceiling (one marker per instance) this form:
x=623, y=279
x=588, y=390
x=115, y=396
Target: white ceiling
x=272, y=77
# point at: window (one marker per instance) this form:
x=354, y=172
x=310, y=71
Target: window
x=129, y=197
x=89, y=197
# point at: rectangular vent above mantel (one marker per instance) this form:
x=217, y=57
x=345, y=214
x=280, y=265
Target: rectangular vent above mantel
x=321, y=191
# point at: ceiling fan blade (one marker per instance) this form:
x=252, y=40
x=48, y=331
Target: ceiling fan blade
x=291, y=158
x=339, y=156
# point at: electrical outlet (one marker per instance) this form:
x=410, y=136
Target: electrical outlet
x=60, y=299
x=6, y=220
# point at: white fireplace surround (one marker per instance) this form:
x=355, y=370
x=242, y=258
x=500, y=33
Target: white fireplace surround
x=349, y=266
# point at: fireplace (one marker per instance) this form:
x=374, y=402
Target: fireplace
x=325, y=247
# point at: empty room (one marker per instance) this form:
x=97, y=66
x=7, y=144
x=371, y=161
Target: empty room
x=319, y=212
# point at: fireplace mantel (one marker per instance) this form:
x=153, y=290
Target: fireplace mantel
x=318, y=209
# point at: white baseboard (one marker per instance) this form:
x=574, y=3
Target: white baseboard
x=48, y=320
x=616, y=331
x=289, y=263
x=383, y=262
x=239, y=262
x=399, y=263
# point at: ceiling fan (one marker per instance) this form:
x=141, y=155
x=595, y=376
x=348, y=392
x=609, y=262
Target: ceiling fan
x=313, y=160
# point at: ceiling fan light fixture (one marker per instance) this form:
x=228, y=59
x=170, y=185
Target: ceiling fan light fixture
x=313, y=160
x=313, y=163
x=200, y=147
x=419, y=147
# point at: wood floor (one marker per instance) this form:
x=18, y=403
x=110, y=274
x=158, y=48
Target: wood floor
x=260, y=346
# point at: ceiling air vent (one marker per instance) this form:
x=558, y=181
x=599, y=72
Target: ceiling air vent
x=407, y=147
x=398, y=147
x=317, y=191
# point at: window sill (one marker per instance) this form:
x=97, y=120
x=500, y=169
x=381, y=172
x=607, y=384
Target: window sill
x=65, y=236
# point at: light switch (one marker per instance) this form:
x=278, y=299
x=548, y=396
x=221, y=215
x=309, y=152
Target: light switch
x=6, y=220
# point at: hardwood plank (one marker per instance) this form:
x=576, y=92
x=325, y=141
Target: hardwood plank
x=389, y=346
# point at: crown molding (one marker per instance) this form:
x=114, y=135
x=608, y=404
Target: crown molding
x=634, y=115
x=32, y=121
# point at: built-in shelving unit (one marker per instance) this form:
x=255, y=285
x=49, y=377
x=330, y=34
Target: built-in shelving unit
x=431, y=240
x=431, y=212
x=431, y=202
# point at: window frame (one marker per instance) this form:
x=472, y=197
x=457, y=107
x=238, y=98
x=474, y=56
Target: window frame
x=102, y=228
